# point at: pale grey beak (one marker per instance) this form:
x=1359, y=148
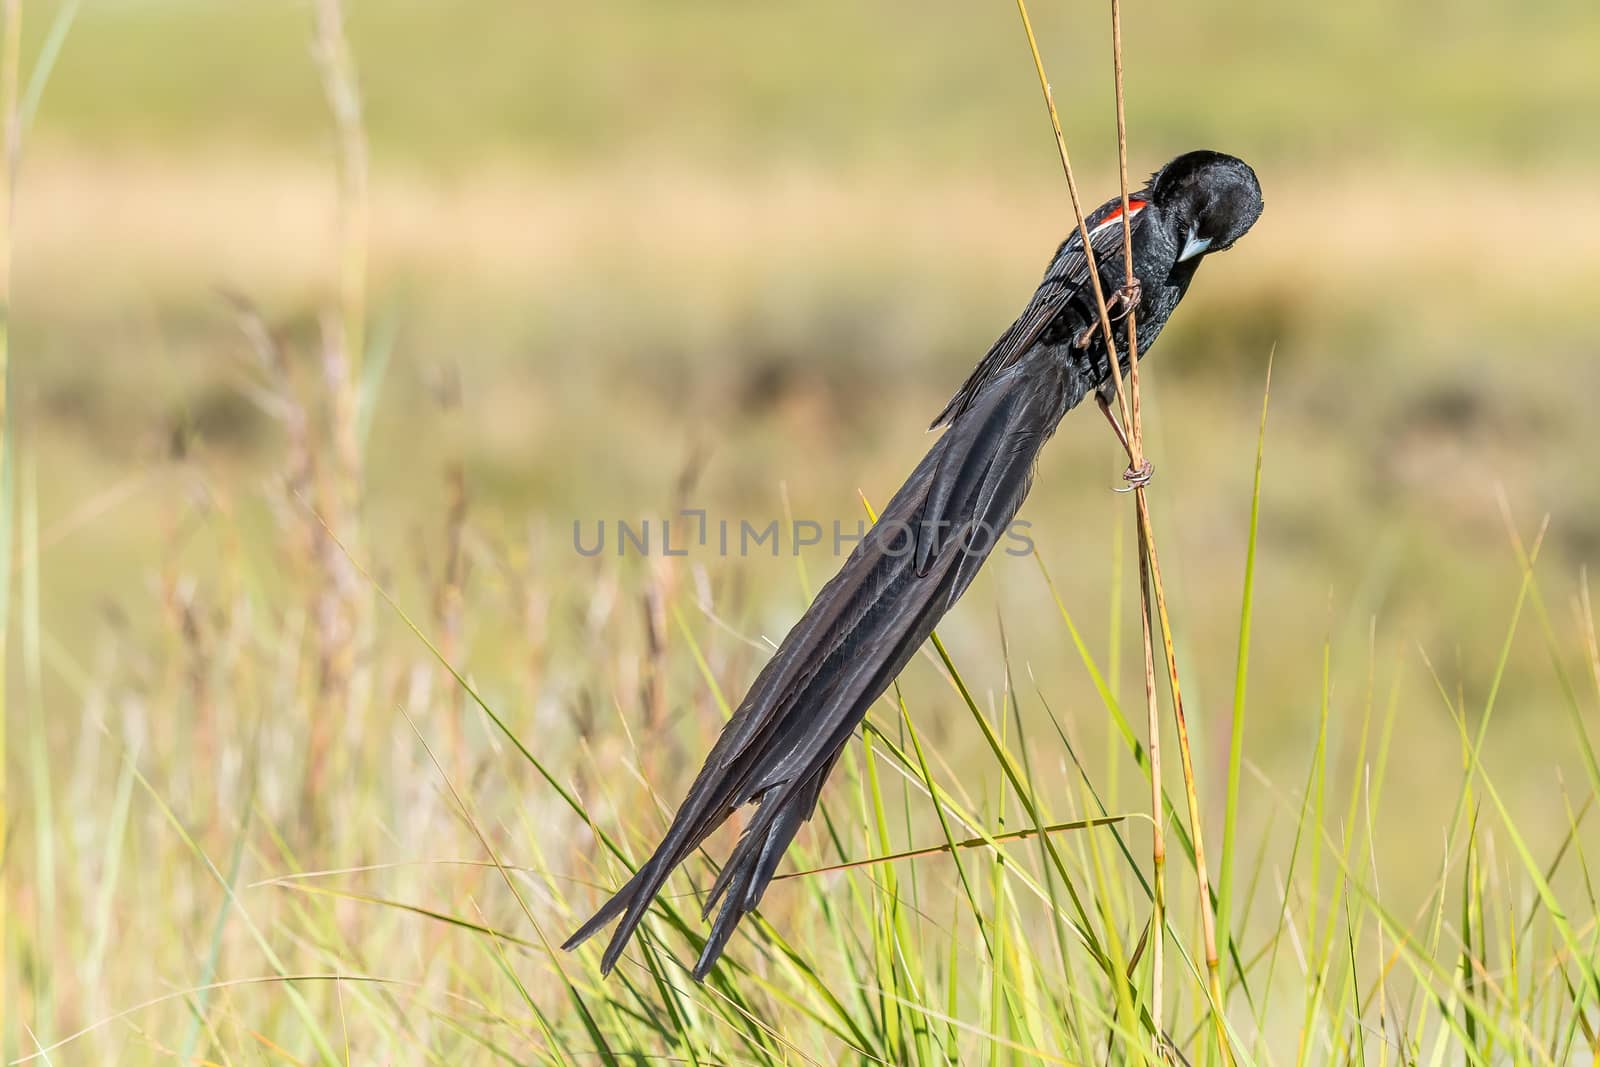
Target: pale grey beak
x=1193, y=247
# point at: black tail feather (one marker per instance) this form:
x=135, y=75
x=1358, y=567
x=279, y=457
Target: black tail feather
x=857, y=635
x=750, y=869
x=602, y=918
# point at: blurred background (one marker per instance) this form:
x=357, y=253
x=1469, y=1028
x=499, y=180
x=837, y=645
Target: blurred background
x=609, y=260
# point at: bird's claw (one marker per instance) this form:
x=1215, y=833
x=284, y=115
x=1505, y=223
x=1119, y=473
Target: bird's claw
x=1137, y=477
x=1124, y=300
x=1119, y=307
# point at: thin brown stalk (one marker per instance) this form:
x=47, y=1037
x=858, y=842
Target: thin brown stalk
x=1135, y=424
x=1158, y=843
x=970, y=842
x=1147, y=543
x=1128, y=403
x=1208, y=921
x=1077, y=209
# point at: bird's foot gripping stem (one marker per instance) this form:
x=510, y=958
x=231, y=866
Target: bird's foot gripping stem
x=1119, y=307
x=1124, y=300
x=1138, y=477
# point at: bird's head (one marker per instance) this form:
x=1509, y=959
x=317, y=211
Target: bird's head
x=1211, y=199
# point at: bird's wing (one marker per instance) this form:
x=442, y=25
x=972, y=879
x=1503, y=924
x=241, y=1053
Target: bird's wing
x=1065, y=287
x=850, y=644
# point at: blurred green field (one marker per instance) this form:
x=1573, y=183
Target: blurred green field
x=740, y=85
x=628, y=257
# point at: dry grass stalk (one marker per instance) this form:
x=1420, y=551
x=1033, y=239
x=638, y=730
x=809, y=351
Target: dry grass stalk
x=1147, y=549
x=449, y=602
x=344, y=100
x=1151, y=591
x=343, y=610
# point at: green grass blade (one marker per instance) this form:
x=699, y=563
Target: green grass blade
x=1230, y=819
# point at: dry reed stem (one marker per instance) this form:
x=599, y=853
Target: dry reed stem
x=1135, y=424
x=1128, y=402
x=1158, y=847
x=1158, y=844
x=1077, y=210
x=1148, y=547
x=1208, y=925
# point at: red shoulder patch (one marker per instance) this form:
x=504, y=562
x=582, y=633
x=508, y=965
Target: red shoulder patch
x=1135, y=205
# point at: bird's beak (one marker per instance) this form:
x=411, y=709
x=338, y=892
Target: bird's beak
x=1193, y=247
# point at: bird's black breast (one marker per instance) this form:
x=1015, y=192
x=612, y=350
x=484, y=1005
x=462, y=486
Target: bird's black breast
x=1162, y=284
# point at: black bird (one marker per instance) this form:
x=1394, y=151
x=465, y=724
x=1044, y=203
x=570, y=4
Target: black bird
x=868, y=621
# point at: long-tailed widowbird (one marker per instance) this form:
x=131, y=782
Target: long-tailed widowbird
x=868, y=621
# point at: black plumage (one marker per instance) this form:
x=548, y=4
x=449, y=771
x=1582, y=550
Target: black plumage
x=867, y=622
